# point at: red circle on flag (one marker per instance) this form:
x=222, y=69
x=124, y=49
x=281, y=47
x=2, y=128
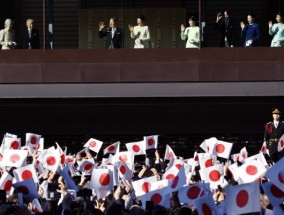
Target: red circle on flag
x=15, y=144
x=193, y=192
x=242, y=198
x=104, y=179
x=220, y=148
x=136, y=148
x=170, y=177
x=111, y=148
x=33, y=140
x=251, y=170
x=92, y=144
x=175, y=182
x=244, y=155
x=263, y=148
x=150, y=141
x=26, y=174
x=122, y=169
x=171, y=155
x=214, y=175
x=206, y=209
x=50, y=160
x=156, y=198
x=8, y=185
x=123, y=158
x=196, y=158
x=178, y=166
x=62, y=158
x=68, y=160
x=88, y=167
x=14, y=158
x=282, y=143
x=23, y=189
x=276, y=192
x=208, y=163
x=280, y=178
x=145, y=187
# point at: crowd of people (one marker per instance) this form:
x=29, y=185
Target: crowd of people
x=138, y=181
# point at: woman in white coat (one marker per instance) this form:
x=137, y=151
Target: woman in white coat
x=140, y=33
x=191, y=33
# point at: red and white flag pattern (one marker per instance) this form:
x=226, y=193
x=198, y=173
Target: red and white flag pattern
x=251, y=171
x=50, y=159
x=143, y=185
x=36, y=207
x=123, y=171
x=113, y=148
x=189, y=194
x=101, y=179
x=169, y=153
x=6, y=181
x=125, y=157
x=27, y=188
x=86, y=166
x=14, y=158
x=208, y=143
x=33, y=140
x=222, y=149
x=151, y=142
x=281, y=143
x=243, y=198
x=158, y=197
x=274, y=194
x=94, y=145
x=264, y=149
x=276, y=174
x=206, y=206
x=137, y=148
x=12, y=142
x=26, y=172
x=213, y=174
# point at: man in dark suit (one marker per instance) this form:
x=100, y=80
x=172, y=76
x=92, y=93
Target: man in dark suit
x=30, y=36
x=113, y=34
x=272, y=134
x=225, y=25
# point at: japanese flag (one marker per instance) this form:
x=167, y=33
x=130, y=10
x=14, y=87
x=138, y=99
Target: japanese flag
x=143, y=185
x=101, y=179
x=14, y=158
x=6, y=183
x=125, y=157
x=36, y=207
x=26, y=172
x=69, y=158
x=281, y=143
x=94, y=145
x=251, y=171
x=276, y=174
x=107, y=161
x=86, y=166
x=71, y=170
x=151, y=142
x=12, y=142
x=50, y=159
x=243, y=198
x=208, y=143
x=155, y=185
x=32, y=140
x=137, y=148
x=27, y=188
x=69, y=181
x=264, y=148
x=259, y=157
x=124, y=171
x=113, y=148
x=243, y=154
x=275, y=195
x=213, y=174
x=222, y=149
x=176, y=176
x=236, y=157
x=159, y=197
x=61, y=153
x=207, y=161
x=206, y=206
x=234, y=170
x=113, y=169
x=169, y=153
x=29, y=149
x=189, y=194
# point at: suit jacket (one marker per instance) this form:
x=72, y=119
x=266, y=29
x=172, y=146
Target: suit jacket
x=270, y=132
x=33, y=41
x=226, y=30
x=116, y=40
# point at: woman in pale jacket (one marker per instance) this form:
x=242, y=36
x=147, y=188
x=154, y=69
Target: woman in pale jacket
x=140, y=33
x=7, y=36
x=191, y=33
x=277, y=31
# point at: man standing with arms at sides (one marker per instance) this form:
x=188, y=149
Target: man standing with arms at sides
x=30, y=36
x=113, y=34
x=226, y=28
x=272, y=134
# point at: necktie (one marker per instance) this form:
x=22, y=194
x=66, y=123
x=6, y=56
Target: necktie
x=112, y=32
x=30, y=34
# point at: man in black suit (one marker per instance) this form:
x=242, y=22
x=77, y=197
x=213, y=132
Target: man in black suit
x=113, y=34
x=225, y=25
x=30, y=36
x=272, y=134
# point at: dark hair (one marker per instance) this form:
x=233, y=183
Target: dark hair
x=113, y=18
x=252, y=15
x=228, y=12
x=193, y=18
x=279, y=14
x=142, y=17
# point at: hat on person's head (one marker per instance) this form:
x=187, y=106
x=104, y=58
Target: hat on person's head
x=276, y=111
